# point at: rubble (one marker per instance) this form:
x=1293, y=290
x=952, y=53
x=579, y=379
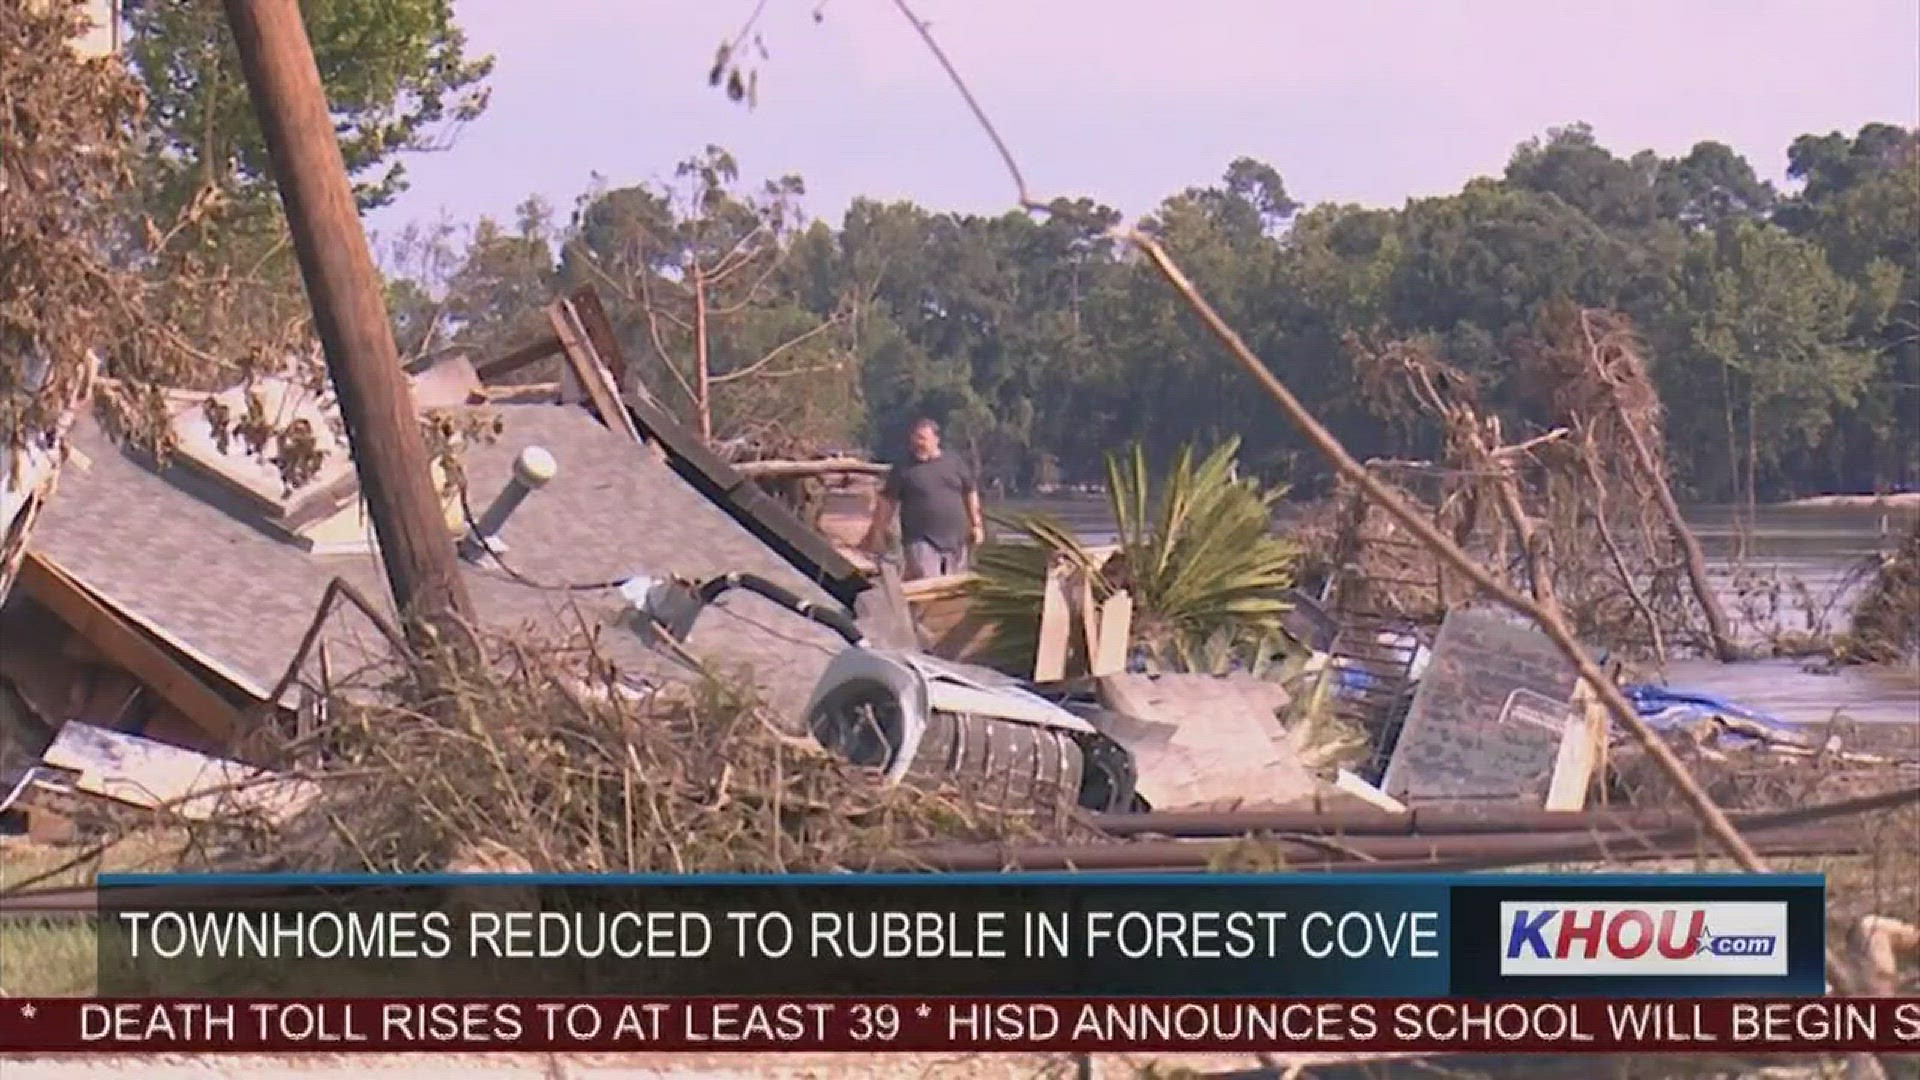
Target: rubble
x=1395, y=695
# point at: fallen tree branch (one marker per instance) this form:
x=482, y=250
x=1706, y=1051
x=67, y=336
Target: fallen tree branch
x=759, y=470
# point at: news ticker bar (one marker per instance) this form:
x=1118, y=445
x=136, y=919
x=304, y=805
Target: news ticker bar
x=1584, y=1025
x=1486, y=936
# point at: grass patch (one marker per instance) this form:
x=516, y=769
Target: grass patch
x=46, y=957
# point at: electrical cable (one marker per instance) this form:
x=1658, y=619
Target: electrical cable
x=707, y=591
x=466, y=511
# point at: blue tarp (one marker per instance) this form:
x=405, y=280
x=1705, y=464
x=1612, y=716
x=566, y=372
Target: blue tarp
x=1665, y=707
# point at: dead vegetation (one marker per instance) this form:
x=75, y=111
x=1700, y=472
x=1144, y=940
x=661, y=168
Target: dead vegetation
x=1580, y=510
x=1886, y=620
x=534, y=763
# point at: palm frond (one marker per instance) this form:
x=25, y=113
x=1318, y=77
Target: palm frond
x=1208, y=577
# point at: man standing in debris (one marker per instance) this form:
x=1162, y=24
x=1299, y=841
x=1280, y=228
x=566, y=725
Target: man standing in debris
x=939, y=507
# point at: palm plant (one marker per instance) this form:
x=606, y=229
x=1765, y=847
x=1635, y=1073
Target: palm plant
x=1208, y=578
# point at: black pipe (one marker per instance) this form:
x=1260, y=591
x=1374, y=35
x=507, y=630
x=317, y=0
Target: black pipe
x=838, y=621
x=1365, y=854
x=1454, y=852
x=1458, y=820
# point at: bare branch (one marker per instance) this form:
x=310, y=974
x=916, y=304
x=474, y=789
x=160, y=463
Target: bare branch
x=1027, y=202
x=659, y=345
x=775, y=353
x=736, y=257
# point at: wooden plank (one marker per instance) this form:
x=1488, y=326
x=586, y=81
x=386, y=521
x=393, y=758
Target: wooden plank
x=1580, y=747
x=1116, y=627
x=1089, y=615
x=763, y=470
x=531, y=353
x=592, y=316
x=938, y=588
x=589, y=372
x=90, y=618
x=1056, y=628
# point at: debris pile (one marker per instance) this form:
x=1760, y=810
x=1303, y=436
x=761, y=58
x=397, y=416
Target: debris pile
x=1581, y=510
x=527, y=756
x=582, y=743
x=1886, y=620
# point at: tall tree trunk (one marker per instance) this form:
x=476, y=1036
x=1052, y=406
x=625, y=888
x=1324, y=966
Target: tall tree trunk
x=703, y=377
x=1733, y=435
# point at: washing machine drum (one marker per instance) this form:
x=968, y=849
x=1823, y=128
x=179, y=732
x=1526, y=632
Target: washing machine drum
x=997, y=761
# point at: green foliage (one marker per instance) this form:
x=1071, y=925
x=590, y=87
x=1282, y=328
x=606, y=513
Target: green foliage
x=1208, y=578
x=1783, y=327
x=396, y=71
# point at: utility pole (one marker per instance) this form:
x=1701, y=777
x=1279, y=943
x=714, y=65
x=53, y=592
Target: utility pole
x=350, y=315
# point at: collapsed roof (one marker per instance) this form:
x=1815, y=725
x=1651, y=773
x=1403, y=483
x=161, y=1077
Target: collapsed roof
x=205, y=563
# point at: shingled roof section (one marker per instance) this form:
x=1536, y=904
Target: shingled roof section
x=166, y=550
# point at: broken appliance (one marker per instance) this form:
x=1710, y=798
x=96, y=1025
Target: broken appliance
x=917, y=719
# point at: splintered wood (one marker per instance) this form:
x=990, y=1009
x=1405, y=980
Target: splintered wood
x=1581, y=745
x=1106, y=626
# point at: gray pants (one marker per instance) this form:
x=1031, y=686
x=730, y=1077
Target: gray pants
x=926, y=561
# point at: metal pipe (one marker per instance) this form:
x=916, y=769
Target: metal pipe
x=1167, y=856
x=1455, y=820
x=1466, y=849
x=532, y=470
x=1407, y=853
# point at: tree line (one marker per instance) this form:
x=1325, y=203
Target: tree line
x=1782, y=326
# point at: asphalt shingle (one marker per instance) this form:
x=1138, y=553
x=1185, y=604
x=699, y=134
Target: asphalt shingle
x=173, y=552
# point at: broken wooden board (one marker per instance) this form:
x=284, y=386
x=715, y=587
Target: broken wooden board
x=943, y=612
x=1056, y=627
x=588, y=372
x=1204, y=740
x=1114, y=637
x=1581, y=746
x=94, y=620
x=151, y=775
x=1487, y=719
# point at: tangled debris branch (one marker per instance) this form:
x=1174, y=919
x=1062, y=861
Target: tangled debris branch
x=86, y=273
x=542, y=757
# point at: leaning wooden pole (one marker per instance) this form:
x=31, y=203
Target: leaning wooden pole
x=350, y=316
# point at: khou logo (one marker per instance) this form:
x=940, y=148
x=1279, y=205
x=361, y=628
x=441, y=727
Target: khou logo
x=1611, y=938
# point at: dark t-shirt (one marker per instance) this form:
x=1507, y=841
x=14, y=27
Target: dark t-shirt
x=932, y=496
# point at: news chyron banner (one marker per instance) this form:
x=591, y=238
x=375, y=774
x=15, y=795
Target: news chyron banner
x=1025, y=962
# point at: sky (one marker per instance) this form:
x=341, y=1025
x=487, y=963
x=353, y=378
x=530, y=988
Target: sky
x=1129, y=101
